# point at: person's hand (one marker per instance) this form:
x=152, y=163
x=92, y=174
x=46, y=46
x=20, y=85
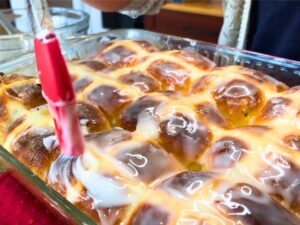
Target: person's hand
x=108, y=5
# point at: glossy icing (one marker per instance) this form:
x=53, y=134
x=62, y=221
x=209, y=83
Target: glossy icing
x=170, y=139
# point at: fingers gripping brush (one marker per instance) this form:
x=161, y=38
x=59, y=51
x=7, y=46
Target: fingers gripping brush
x=55, y=80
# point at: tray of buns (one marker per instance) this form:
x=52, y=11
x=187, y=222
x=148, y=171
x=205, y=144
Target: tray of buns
x=177, y=132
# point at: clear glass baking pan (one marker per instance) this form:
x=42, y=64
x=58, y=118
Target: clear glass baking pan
x=55, y=202
x=85, y=46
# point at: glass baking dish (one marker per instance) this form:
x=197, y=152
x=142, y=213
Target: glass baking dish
x=287, y=71
x=85, y=46
x=67, y=22
x=56, y=203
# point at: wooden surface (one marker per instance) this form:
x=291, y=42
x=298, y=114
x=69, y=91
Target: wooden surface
x=209, y=8
x=4, y=4
x=60, y=3
x=183, y=24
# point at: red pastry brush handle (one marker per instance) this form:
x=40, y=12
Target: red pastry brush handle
x=53, y=73
x=59, y=93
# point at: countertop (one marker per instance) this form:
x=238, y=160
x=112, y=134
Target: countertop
x=203, y=8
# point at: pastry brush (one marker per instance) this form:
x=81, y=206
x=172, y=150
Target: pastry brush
x=55, y=80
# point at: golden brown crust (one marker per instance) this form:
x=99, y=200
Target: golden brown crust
x=30, y=149
x=178, y=112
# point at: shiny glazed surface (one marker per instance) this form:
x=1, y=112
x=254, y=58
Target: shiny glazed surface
x=171, y=139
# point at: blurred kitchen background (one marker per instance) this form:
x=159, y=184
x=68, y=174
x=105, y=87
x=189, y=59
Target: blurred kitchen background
x=197, y=19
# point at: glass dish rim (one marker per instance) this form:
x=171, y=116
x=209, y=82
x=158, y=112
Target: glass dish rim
x=67, y=209
x=218, y=49
x=85, y=19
